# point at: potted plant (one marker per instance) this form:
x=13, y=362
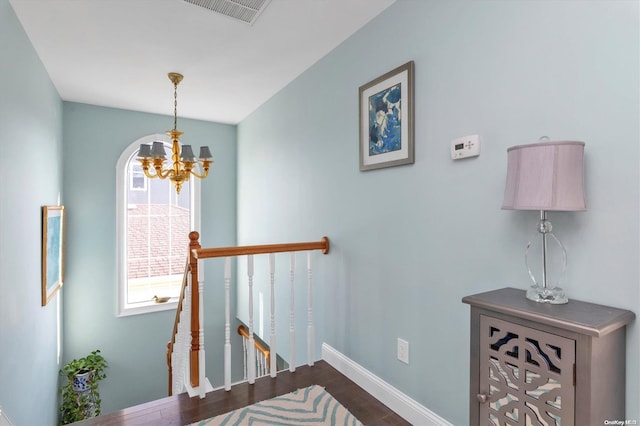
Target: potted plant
x=80, y=396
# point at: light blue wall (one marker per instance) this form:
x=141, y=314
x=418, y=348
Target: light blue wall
x=409, y=242
x=135, y=347
x=30, y=177
x=510, y=71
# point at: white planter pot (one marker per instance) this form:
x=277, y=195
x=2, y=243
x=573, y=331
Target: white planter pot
x=82, y=382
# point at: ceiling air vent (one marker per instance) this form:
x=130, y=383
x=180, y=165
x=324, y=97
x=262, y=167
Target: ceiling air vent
x=246, y=11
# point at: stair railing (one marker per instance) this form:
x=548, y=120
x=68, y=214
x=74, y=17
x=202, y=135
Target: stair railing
x=176, y=361
x=197, y=382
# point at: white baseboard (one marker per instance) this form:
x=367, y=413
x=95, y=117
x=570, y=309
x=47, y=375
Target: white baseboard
x=403, y=405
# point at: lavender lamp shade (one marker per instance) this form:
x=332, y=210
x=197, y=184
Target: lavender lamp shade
x=545, y=176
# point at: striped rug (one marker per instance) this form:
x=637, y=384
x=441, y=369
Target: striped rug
x=308, y=406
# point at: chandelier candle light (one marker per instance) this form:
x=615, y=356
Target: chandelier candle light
x=545, y=176
x=184, y=161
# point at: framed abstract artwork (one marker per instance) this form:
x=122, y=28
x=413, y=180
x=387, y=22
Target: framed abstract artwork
x=52, y=251
x=386, y=119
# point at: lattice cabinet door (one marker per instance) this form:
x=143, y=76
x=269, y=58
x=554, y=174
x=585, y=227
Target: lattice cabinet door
x=527, y=376
x=539, y=364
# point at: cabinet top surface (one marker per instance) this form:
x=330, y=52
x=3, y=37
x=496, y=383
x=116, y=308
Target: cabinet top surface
x=581, y=317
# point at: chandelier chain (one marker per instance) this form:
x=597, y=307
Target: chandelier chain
x=175, y=106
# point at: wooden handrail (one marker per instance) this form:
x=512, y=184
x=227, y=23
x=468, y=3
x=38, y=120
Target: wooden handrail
x=242, y=330
x=206, y=253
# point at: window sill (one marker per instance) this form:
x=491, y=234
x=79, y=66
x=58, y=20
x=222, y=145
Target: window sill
x=141, y=308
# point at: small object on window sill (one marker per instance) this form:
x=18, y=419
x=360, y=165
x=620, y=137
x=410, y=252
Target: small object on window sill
x=161, y=299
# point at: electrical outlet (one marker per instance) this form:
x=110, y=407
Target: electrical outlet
x=403, y=350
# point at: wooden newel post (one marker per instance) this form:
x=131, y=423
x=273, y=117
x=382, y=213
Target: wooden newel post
x=194, y=364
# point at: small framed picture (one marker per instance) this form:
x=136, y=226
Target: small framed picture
x=52, y=251
x=386, y=119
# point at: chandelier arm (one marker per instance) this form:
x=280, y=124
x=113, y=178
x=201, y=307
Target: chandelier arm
x=147, y=167
x=204, y=166
x=148, y=174
x=144, y=163
x=163, y=174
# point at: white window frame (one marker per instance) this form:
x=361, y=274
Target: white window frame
x=122, y=184
x=145, y=179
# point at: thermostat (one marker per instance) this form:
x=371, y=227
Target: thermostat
x=465, y=147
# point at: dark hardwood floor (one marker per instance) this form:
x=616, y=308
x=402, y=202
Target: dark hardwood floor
x=182, y=410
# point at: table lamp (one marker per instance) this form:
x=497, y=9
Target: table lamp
x=545, y=176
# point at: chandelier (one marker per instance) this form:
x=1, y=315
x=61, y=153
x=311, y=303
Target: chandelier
x=153, y=157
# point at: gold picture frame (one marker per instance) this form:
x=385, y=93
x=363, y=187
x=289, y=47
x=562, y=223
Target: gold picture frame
x=53, y=227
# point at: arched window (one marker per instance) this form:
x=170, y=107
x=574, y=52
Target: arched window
x=153, y=224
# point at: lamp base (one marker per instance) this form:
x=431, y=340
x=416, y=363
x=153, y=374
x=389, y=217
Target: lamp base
x=554, y=296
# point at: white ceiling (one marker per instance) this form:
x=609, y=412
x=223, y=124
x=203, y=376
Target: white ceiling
x=117, y=53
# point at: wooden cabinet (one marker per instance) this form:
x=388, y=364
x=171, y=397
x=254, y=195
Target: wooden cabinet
x=535, y=363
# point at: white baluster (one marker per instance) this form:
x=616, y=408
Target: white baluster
x=272, y=340
x=262, y=364
x=227, y=325
x=176, y=363
x=184, y=345
x=258, y=366
x=244, y=356
x=252, y=349
x=187, y=339
x=201, y=355
x=292, y=332
x=178, y=357
x=310, y=337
